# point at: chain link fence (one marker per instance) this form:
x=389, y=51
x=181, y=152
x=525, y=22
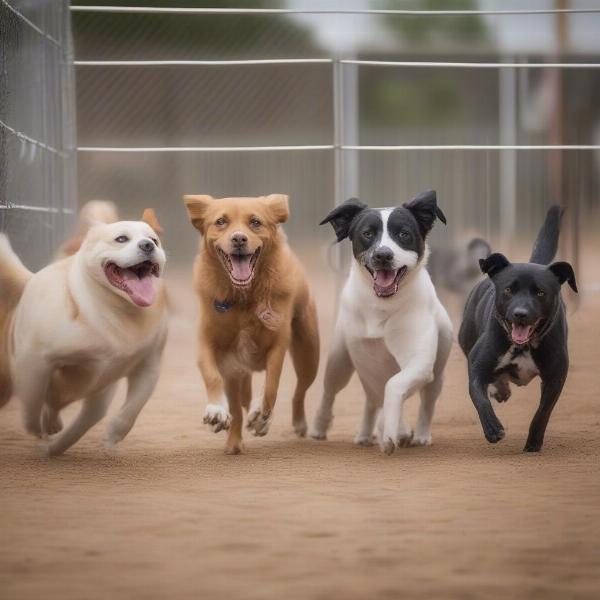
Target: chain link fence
x=37, y=127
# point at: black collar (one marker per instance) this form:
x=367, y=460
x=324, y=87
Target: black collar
x=223, y=305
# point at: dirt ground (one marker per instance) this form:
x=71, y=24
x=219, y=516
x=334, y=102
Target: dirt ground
x=170, y=516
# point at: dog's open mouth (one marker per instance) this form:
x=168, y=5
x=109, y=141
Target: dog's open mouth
x=240, y=267
x=386, y=281
x=135, y=281
x=521, y=334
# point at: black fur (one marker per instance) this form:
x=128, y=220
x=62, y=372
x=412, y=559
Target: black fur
x=408, y=225
x=525, y=295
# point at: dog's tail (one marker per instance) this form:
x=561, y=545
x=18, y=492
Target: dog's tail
x=13, y=278
x=546, y=243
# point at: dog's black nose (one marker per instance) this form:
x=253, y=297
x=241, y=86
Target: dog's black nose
x=383, y=254
x=146, y=246
x=520, y=314
x=239, y=239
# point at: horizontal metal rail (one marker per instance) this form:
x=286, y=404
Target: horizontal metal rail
x=203, y=148
x=30, y=23
x=478, y=147
x=44, y=209
x=300, y=11
x=369, y=63
x=205, y=63
x=140, y=149
x=30, y=140
x=471, y=65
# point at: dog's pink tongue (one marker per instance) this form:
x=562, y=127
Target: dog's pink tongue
x=520, y=333
x=240, y=267
x=141, y=291
x=384, y=277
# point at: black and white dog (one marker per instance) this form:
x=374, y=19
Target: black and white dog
x=391, y=327
x=515, y=328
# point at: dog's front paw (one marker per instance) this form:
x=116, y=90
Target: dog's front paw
x=258, y=423
x=51, y=422
x=116, y=431
x=363, y=440
x=421, y=440
x=300, y=428
x=493, y=431
x=320, y=426
x=387, y=445
x=217, y=418
x=405, y=439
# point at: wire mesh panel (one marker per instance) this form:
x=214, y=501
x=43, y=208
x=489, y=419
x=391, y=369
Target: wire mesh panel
x=37, y=134
x=492, y=103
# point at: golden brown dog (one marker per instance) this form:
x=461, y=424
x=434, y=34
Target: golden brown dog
x=254, y=305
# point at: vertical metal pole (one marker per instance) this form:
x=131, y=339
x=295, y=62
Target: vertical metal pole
x=345, y=132
x=508, y=162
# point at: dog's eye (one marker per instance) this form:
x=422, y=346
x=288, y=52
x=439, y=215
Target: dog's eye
x=254, y=222
x=122, y=239
x=220, y=222
x=541, y=293
x=404, y=235
x=507, y=291
x=368, y=234
x=155, y=240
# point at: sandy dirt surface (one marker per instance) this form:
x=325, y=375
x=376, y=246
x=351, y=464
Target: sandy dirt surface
x=170, y=516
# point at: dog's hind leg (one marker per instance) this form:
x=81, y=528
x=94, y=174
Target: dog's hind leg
x=94, y=407
x=430, y=392
x=304, y=349
x=259, y=419
x=429, y=395
x=553, y=380
x=373, y=402
x=51, y=421
x=32, y=378
x=237, y=389
x=338, y=372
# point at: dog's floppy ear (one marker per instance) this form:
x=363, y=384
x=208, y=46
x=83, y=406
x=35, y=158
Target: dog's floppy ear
x=196, y=208
x=149, y=217
x=342, y=216
x=278, y=206
x=425, y=209
x=564, y=272
x=493, y=264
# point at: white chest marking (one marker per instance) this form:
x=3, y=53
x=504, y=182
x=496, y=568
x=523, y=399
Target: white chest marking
x=517, y=365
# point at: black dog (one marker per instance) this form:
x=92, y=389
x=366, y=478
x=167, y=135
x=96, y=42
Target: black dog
x=515, y=328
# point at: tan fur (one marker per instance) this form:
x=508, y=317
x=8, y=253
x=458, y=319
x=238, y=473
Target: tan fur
x=271, y=315
x=68, y=333
x=13, y=278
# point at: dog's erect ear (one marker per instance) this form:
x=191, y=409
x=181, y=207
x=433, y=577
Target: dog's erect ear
x=425, y=209
x=196, y=207
x=564, y=272
x=149, y=217
x=342, y=216
x=493, y=264
x=278, y=206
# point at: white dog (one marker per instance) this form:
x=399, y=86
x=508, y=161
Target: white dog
x=76, y=327
x=391, y=327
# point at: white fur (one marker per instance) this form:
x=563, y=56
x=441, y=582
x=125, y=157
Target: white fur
x=402, y=257
x=398, y=346
x=75, y=336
